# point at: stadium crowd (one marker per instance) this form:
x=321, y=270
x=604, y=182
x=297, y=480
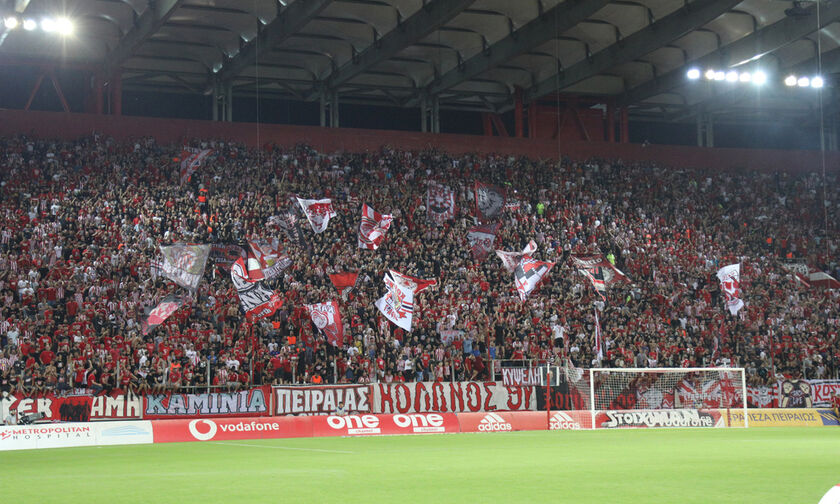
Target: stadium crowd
x=80, y=222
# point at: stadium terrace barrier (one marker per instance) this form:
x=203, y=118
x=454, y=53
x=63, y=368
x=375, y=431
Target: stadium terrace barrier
x=74, y=434
x=788, y=417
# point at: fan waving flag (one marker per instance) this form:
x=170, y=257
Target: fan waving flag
x=510, y=260
x=318, y=212
x=481, y=239
x=344, y=282
x=373, y=227
x=184, y=264
x=489, y=201
x=599, y=271
x=730, y=284
x=269, y=257
x=327, y=319
x=191, y=161
x=397, y=305
x=528, y=274
x=257, y=300
x=440, y=203
x=417, y=285
x=162, y=311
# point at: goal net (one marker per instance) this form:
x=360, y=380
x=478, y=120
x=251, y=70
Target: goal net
x=668, y=397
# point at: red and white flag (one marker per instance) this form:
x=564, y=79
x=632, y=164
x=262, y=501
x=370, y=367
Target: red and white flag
x=811, y=277
x=327, y=319
x=373, y=227
x=528, y=275
x=599, y=271
x=489, y=201
x=481, y=239
x=510, y=260
x=318, y=213
x=257, y=300
x=266, y=259
x=730, y=284
x=191, y=161
x=162, y=311
x=397, y=305
x=440, y=203
x=417, y=285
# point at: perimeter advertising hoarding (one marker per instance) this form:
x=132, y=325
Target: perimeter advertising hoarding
x=367, y=425
x=62, y=435
x=633, y=419
x=507, y=421
x=447, y=397
x=227, y=429
x=788, y=417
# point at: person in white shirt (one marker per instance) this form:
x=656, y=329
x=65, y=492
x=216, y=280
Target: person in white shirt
x=11, y=418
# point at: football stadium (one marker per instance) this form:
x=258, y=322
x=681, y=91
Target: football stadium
x=435, y=250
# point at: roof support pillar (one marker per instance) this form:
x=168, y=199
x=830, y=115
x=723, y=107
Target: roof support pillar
x=228, y=101
x=518, y=112
x=435, y=114
x=116, y=90
x=625, y=125
x=322, y=109
x=334, y=119
x=611, y=121
x=215, y=102
x=424, y=114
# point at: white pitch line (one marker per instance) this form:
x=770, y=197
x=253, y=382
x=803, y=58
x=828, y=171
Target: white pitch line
x=283, y=447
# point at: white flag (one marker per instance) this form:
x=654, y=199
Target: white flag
x=730, y=284
x=318, y=212
x=398, y=303
x=510, y=260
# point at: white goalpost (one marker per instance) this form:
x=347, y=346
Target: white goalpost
x=667, y=397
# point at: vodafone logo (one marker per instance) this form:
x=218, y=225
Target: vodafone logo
x=562, y=421
x=421, y=423
x=203, y=436
x=493, y=423
x=355, y=424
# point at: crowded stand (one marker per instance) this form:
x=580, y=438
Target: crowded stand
x=82, y=224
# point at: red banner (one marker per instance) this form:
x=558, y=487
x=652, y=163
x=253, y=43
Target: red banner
x=367, y=425
x=81, y=408
x=506, y=421
x=450, y=397
x=251, y=402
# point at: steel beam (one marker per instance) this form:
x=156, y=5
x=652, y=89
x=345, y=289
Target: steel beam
x=288, y=22
x=758, y=43
x=155, y=16
x=544, y=28
x=673, y=26
x=429, y=18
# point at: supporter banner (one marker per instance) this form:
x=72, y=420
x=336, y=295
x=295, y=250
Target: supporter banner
x=327, y=319
x=156, y=316
x=763, y=397
x=510, y=260
x=599, y=271
x=528, y=275
x=450, y=397
x=228, y=429
x=269, y=257
x=184, y=264
x=191, y=161
x=62, y=435
x=730, y=284
x=811, y=277
x=563, y=397
x=440, y=203
x=417, y=285
x=372, y=228
x=520, y=376
x=795, y=394
x=253, y=402
x=321, y=400
x=481, y=239
x=74, y=408
x=257, y=301
x=318, y=212
x=822, y=391
x=506, y=421
x=489, y=201
x=397, y=304
x=344, y=282
x=224, y=255
x=799, y=417
x=629, y=419
x=367, y=425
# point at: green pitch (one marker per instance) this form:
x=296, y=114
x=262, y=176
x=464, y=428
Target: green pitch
x=785, y=465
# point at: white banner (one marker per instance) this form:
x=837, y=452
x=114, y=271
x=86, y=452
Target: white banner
x=443, y=397
x=397, y=304
x=321, y=400
x=318, y=212
x=63, y=435
x=730, y=284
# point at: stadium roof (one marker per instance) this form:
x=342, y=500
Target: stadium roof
x=466, y=54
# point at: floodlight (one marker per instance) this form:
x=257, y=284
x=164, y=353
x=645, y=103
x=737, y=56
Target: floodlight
x=803, y=82
x=11, y=23
x=710, y=74
x=64, y=26
x=29, y=24
x=719, y=76
x=732, y=76
x=693, y=73
x=790, y=80
x=48, y=25
x=759, y=78
x=817, y=82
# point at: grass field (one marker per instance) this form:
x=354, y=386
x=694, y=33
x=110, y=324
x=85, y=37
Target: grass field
x=781, y=465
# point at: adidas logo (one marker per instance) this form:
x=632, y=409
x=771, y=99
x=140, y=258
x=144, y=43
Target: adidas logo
x=493, y=423
x=562, y=421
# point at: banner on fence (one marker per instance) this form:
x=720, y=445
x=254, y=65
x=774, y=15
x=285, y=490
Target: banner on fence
x=784, y=417
x=226, y=429
x=520, y=376
x=763, y=396
x=62, y=435
x=629, y=419
x=321, y=400
x=366, y=425
x=80, y=408
x=822, y=391
x=450, y=397
x=251, y=402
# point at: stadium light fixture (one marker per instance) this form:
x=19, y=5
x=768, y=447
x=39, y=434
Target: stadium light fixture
x=803, y=82
x=64, y=26
x=710, y=74
x=693, y=73
x=759, y=78
x=732, y=76
x=745, y=77
x=48, y=25
x=719, y=76
x=817, y=82
x=29, y=24
x=11, y=23
x=790, y=80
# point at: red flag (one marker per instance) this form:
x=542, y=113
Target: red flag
x=418, y=285
x=344, y=280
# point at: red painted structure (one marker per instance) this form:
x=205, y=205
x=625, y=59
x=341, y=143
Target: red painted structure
x=71, y=125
